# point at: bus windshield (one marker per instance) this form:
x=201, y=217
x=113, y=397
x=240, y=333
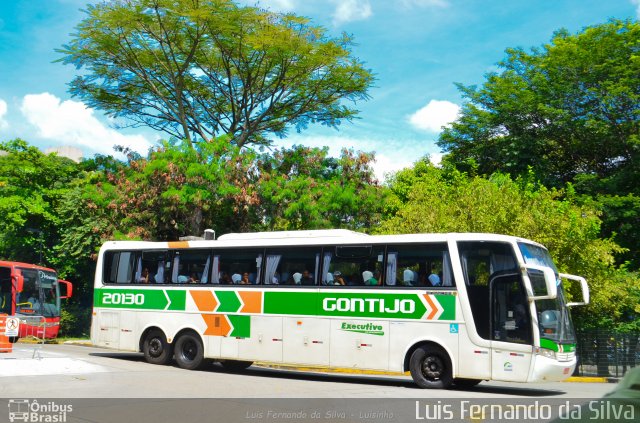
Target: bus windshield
x=40, y=295
x=554, y=321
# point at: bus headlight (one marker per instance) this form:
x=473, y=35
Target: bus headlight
x=546, y=353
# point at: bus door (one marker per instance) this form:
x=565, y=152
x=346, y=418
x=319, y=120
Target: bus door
x=511, y=336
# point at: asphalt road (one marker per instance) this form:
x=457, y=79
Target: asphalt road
x=69, y=371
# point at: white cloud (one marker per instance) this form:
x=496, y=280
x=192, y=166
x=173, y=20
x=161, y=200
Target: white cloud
x=72, y=123
x=351, y=10
x=637, y=4
x=3, y=111
x=435, y=115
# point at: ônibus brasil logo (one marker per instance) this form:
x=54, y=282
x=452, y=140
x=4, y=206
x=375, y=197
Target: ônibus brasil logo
x=33, y=411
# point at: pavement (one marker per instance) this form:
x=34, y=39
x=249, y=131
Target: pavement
x=20, y=363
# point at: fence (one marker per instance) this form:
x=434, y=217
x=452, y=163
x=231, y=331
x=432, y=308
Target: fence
x=607, y=353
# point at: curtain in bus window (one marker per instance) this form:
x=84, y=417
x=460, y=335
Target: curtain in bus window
x=204, y=278
x=465, y=267
x=259, y=268
x=326, y=263
x=315, y=272
x=216, y=270
x=392, y=267
x=272, y=267
x=160, y=274
x=175, y=270
x=501, y=262
x=125, y=267
x=138, y=269
x=447, y=277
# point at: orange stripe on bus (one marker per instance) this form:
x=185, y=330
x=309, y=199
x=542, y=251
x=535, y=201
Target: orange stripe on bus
x=252, y=301
x=217, y=325
x=205, y=300
x=434, y=309
x=178, y=244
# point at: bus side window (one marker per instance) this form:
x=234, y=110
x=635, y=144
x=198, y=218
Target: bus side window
x=419, y=265
x=227, y=263
x=118, y=267
x=354, y=265
x=292, y=266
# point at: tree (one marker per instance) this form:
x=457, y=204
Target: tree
x=304, y=188
x=569, y=108
x=198, y=69
x=32, y=185
x=570, y=112
x=428, y=199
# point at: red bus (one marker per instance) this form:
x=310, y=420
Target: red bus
x=31, y=290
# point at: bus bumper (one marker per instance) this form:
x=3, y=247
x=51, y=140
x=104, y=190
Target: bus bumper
x=549, y=370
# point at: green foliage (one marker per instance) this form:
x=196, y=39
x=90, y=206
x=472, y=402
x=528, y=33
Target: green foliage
x=32, y=185
x=198, y=70
x=570, y=112
x=429, y=199
x=75, y=321
x=302, y=188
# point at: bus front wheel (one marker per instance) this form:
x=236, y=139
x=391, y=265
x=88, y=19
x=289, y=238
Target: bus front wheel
x=430, y=367
x=189, y=351
x=155, y=347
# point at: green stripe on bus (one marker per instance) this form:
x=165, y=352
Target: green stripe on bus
x=141, y=299
x=241, y=325
x=306, y=303
x=448, y=303
x=554, y=346
x=301, y=303
x=229, y=302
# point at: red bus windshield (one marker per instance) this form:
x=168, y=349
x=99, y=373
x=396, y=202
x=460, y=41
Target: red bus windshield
x=40, y=295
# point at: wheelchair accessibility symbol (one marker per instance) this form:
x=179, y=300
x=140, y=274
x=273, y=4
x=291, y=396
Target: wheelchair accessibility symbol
x=453, y=328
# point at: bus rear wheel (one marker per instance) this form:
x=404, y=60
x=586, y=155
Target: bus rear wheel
x=189, y=351
x=155, y=347
x=430, y=367
x=235, y=365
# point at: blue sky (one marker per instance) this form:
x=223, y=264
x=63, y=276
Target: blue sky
x=417, y=49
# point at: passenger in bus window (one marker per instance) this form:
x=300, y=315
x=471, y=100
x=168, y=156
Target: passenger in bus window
x=306, y=278
x=225, y=279
x=433, y=278
x=338, y=279
x=408, y=277
x=194, y=278
x=144, y=276
x=368, y=279
x=245, y=279
x=236, y=278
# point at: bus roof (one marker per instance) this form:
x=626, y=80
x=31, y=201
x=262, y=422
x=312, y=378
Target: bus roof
x=311, y=238
x=25, y=265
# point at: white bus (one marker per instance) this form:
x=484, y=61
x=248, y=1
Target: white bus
x=448, y=308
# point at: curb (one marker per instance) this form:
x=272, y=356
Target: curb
x=344, y=370
x=322, y=369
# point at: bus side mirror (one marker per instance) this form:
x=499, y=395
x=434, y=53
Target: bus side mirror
x=68, y=289
x=542, y=282
x=18, y=282
x=583, y=286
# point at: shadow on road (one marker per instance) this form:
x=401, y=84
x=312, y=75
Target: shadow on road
x=356, y=379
